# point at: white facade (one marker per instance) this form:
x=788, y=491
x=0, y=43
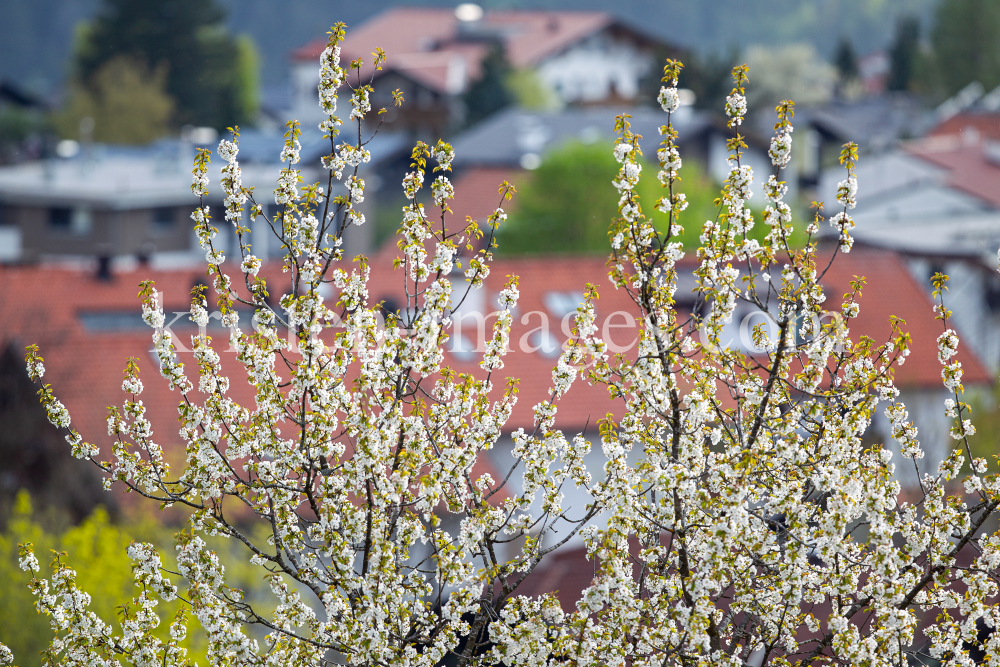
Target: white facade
x=305, y=94
x=974, y=300
x=601, y=67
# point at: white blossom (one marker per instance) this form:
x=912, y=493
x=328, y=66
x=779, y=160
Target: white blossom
x=669, y=99
x=780, y=151
x=736, y=107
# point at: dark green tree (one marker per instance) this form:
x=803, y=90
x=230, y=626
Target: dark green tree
x=846, y=60
x=489, y=93
x=966, y=39
x=206, y=67
x=904, y=53
x=709, y=76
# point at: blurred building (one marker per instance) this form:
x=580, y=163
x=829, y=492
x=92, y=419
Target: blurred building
x=514, y=141
x=135, y=203
x=937, y=202
x=970, y=114
x=875, y=123
x=107, y=203
x=434, y=54
x=88, y=327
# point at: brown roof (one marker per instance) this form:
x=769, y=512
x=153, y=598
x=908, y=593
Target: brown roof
x=424, y=42
x=971, y=170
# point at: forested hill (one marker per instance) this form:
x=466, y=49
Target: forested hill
x=36, y=35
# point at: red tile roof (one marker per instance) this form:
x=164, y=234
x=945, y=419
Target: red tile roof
x=985, y=125
x=84, y=365
x=43, y=306
x=532, y=36
x=424, y=41
x=401, y=29
x=445, y=71
x=477, y=192
x=971, y=170
x=892, y=290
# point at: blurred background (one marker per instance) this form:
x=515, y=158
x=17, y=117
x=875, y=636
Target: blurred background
x=103, y=102
x=124, y=84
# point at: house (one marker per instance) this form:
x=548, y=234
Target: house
x=980, y=119
x=552, y=286
x=434, y=54
x=936, y=201
x=876, y=123
x=892, y=290
x=88, y=326
x=128, y=203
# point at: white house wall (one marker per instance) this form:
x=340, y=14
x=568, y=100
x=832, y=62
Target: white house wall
x=977, y=324
x=305, y=96
x=926, y=410
x=600, y=67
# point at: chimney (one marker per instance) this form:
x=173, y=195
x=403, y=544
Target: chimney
x=104, y=268
x=145, y=253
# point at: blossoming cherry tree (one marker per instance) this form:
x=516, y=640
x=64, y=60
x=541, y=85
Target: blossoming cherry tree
x=739, y=518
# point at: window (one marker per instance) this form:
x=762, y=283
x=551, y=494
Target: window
x=60, y=218
x=78, y=221
x=163, y=218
